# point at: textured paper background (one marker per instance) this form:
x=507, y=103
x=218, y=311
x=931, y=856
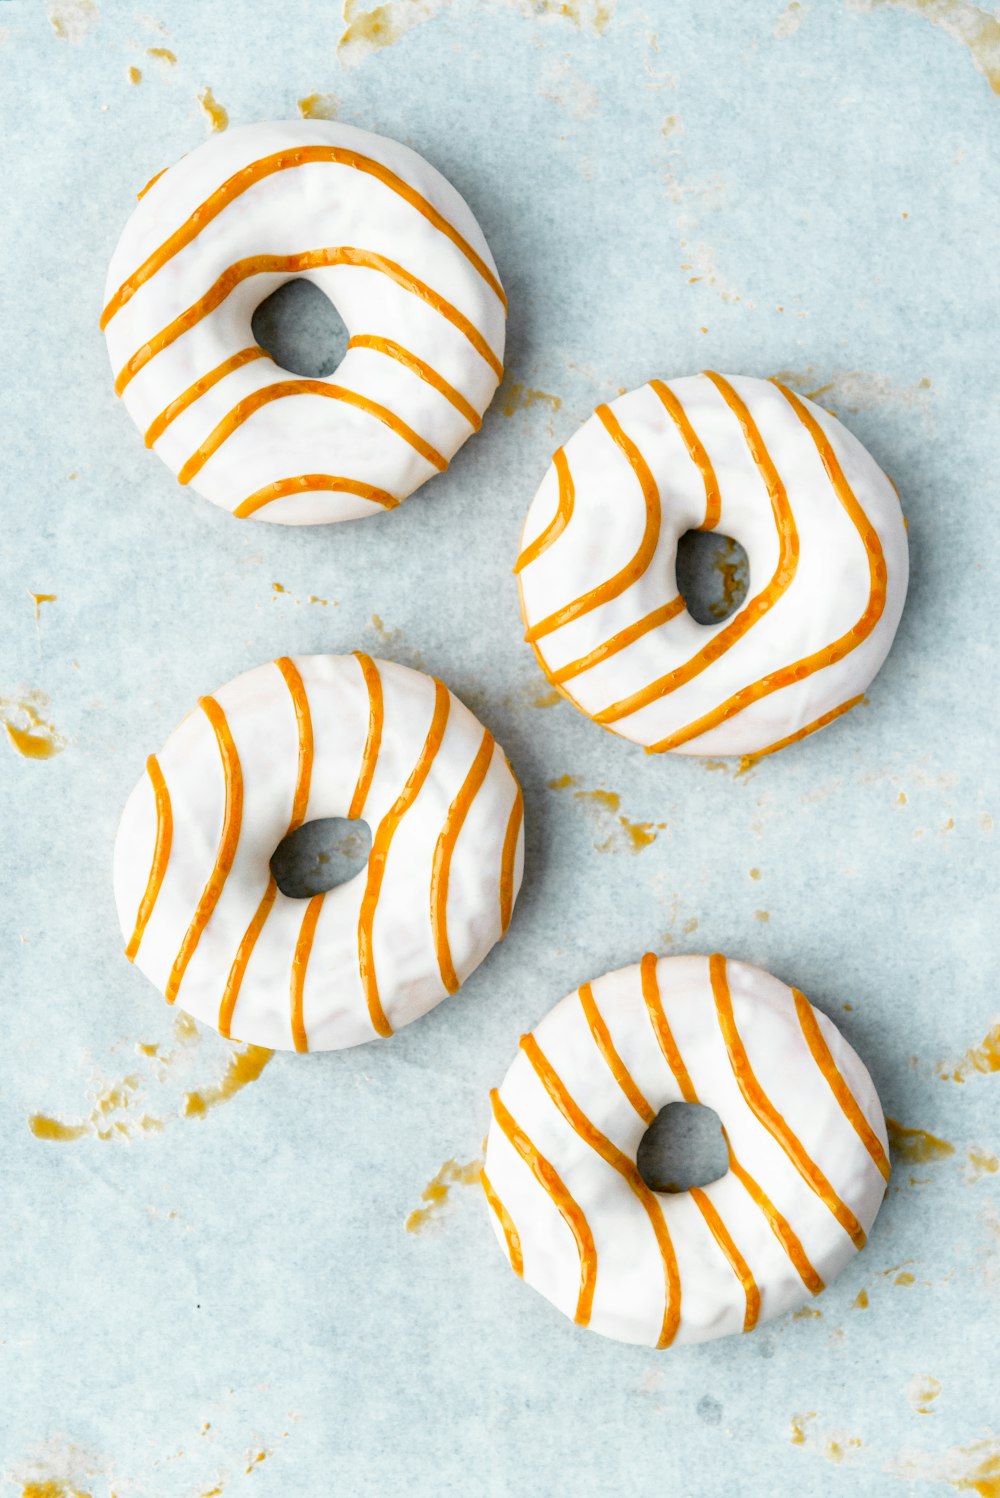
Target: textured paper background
x=230, y=1303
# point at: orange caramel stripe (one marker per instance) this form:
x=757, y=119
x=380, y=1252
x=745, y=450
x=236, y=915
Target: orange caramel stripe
x=617, y=642
x=304, y=729
x=699, y=456
x=380, y=852
x=373, y=738
x=634, y=569
x=300, y=963
x=507, y=860
x=161, y=854
x=228, y=841
x=606, y=1046
x=830, y=654
x=510, y=1233
x=306, y=483
x=234, y=186
x=758, y=606
x=141, y=194
x=661, y=1028
x=738, y=1263
x=561, y=518
x=422, y=370
x=780, y=1226
x=765, y=1112
x=749, y=760
x=444, y=848
x=245, y=408
x=231, y=992
x=849, y=1104
x=197, y=390
x=566, y=1204
x=256, y=265
x=626, y=1167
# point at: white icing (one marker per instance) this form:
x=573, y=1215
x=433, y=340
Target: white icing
x=630, y=1297
x=826, y=599
x=312, y=206
x=260, y=712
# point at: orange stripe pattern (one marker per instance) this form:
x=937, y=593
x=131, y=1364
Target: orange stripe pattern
x=443, y=852
x=161, y=854
x=510, y=1233
x=823, y=1058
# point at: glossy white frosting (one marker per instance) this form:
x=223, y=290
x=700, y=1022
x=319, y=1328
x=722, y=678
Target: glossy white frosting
x=332, y=762
x=309, y=206
x=766, y=459
x=680, y=996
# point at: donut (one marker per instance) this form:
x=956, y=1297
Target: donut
x=299, y=739
x=400, y=256
x=825, y=541
x=808, y=1162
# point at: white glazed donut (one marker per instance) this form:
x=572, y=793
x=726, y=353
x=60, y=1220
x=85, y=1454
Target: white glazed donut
x=826, y=546
x=300, y=739
x=807, y=1145
x=397, y=251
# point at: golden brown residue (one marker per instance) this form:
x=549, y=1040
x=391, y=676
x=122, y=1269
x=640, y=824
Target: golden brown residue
x=901, y=799
x=278, y=587
x=854, y=389
x=762, y=915
x=39, y=599
x=755, y=873
x=72, y=19
x=134, y=75
x=835, y=1450
x=860, y=1302
x=969, y=1469
x=436, y=1193
x=521, y=397
x=806, y=1313
x=313, y=599
x=691, y=924
x=539, y=696
x=982, y=1058
x=923, y=1390
x=51, y=1488
x=799, y=1423
x=980, y=1163
x=256, y=1459
x=319, y=107
x=969, y=24
x=915, y=1145
x=368, y=31
x=620, y=833
x=217, y=117
x=120, y=1110
x=905, y=1278
x=163, y=54
x=246, y=1066
x=27, y=731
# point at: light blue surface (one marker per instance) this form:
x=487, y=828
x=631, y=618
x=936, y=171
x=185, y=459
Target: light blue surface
x=823, y=202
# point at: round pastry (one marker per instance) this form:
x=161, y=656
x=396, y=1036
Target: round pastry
x=807, y=1147
x=300, y=739
x=825, y=541
x=400, y=256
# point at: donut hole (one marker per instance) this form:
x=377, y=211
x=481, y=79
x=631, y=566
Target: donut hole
x=713, y=575
x=684, y=1146
x=301, y=329
x=321, y=855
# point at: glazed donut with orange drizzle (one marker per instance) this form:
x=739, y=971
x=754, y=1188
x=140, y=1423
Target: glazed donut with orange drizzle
x=808, y=1161
x=398, y=253
x=825, y=541
x=300, y=739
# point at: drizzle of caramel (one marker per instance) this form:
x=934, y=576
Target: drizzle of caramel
x=437, y=1192
x=31, y=737
x=29, y=745
x=916, y=1146
x=217, y=116
x=135, y=75
x=246, y=1066
x=51, y=1488
x=39, y=599
x=860, y=1302
x=163, y=54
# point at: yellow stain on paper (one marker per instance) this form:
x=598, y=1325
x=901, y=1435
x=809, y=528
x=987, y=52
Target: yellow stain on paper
x=28, y=733
x=983, y=1058
x=217, y=117
x=437, y=1192
x=916, y=1146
